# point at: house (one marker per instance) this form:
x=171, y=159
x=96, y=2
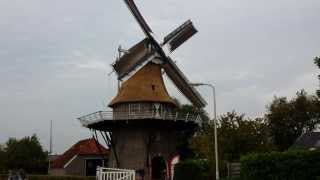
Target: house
x=81, y=159
x=308, y=141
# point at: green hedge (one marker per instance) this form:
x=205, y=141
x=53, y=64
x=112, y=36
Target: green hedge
x=47, y=177
x=192, y=170
x=232, y=178
x=290, y=165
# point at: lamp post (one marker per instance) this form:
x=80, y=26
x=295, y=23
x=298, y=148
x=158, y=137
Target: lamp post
x=214, y=123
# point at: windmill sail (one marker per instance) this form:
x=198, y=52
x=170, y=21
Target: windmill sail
x=137, y=15
x=182, y=83
x=149, y=48
x=137, y=55
x=180, y=35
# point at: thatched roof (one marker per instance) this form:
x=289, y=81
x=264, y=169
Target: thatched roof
x=146, y=85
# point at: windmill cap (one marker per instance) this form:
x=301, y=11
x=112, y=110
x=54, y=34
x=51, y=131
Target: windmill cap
x=146, y=85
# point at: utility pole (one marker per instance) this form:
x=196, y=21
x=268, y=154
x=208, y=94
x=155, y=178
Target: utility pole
x=50, y=149
x=50, y=146
x=214, y=123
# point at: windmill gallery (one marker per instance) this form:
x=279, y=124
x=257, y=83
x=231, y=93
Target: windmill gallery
x=144, y=127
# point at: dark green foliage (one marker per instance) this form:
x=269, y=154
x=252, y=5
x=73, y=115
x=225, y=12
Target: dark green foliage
x=290, y=165
x=26, y=154
x=232, y=178
x=46, y=177
x=317, y=62
x=288, y=119
x=183, y=146
x=2, y=157
x=191, y=170
x=238, y=136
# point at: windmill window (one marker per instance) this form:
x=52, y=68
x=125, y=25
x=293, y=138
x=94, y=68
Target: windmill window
x=147, y=107
x=134, y=107
x=122, y=108
x=144, y=107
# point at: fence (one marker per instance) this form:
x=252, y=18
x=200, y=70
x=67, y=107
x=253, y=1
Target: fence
x=115, y=174
x=234, y=169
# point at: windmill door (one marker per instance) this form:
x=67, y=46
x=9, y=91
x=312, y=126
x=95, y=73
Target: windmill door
x=159, y=169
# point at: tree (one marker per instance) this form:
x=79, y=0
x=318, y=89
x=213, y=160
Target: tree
x=317, y=62
x=288, y=119
x=2, y=157
x=237, y=136
x=183, y=146
x=26, y=154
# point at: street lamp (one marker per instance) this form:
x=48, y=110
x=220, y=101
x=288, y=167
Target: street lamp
x=214, y=123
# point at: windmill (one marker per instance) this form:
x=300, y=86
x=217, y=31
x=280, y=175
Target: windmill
x=144, y=127
x=149, y=49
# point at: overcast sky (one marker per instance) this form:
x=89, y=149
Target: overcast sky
x=55, y=56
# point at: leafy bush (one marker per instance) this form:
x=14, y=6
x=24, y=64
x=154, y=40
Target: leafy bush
x=26, y=153
x=290, y=165
x=191, y=170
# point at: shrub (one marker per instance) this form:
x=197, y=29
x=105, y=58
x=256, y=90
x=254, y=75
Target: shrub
x=290, y=165
x=191, y=170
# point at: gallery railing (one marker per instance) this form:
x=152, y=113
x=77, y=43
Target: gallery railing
x=111, y=115
x=115, y=174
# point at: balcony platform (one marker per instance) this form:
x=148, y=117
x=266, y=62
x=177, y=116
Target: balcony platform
x=107, y=120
